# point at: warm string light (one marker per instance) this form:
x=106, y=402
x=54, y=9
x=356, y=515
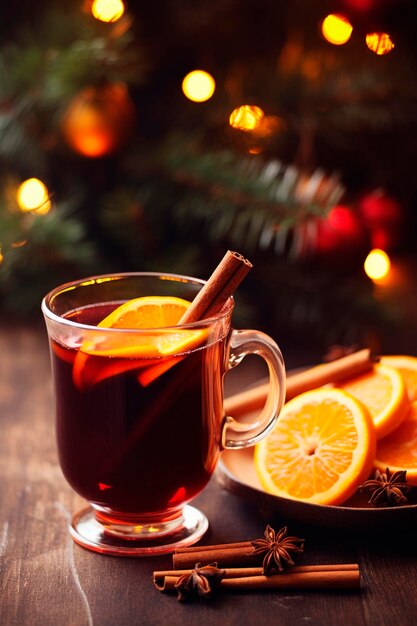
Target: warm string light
x=198, y=86
x=107, y=10
x=246, y=117
x=377, y=264
x=380, y=43
x=336, y=29
x=32, y=196
x=1, y=256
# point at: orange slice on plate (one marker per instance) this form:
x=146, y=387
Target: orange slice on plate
x=155, y=317
x=407, y=366
x=384, y=394
x=321, y=449
x=398, y=451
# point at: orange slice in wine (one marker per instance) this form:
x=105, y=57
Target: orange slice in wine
x=147, y=312
x=155, y=317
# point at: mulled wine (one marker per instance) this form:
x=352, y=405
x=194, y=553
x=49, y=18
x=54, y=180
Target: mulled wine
x=139, y=400
x=133, y=448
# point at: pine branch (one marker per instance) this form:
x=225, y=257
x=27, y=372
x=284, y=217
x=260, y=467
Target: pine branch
x=248, y=201
x=31, y=245
x=19, y=146
x=49, y=72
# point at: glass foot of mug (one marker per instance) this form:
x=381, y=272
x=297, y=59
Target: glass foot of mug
x=145, y=540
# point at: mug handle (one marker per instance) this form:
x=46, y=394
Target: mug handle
x=237, y=434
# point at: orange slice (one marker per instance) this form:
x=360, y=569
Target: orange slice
x=398, y=451
x=407, y=366
x=155, y=317
x=383, y=392
x=321, y=449
x=147, y=312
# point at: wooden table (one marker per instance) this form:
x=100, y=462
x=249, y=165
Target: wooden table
x=46, y=580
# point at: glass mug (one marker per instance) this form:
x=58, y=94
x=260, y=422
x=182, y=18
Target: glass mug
x=140, y=435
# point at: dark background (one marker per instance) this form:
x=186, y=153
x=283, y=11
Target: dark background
x=149, y=205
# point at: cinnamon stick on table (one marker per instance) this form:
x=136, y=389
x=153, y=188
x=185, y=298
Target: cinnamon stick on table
x=213, y=546
x=333, y=372
x=343, y=576
x=340, y=579
x=236, y=555
x=225, y=555
x=187, y=560
x=242, y=572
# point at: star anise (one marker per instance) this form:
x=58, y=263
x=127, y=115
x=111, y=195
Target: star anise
x=387, y=489
x=201, y=582
x=277, y=548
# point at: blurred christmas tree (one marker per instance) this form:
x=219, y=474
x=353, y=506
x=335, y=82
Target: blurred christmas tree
x=115, y=155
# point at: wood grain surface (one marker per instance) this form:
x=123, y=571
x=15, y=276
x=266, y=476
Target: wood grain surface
x=46, y=580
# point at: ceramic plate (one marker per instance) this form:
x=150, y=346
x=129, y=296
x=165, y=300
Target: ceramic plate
x=236, y=473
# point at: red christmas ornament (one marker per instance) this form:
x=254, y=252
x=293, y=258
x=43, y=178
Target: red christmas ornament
x=99, y=120
x=340, y=234
x=383, y=217
x=341, y=231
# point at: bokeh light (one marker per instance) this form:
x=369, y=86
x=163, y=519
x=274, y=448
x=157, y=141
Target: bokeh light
x=246, y=117
x=99, y=120
x=377, y=264
x=107, y=10
x=336, y=29
x=1, y=256
x=198, y=86
x=32, y=195
x=380, y=43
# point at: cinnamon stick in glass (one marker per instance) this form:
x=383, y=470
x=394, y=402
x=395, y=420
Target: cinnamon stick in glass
x=211, y=298
x=223, y=282
x=346, y=367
